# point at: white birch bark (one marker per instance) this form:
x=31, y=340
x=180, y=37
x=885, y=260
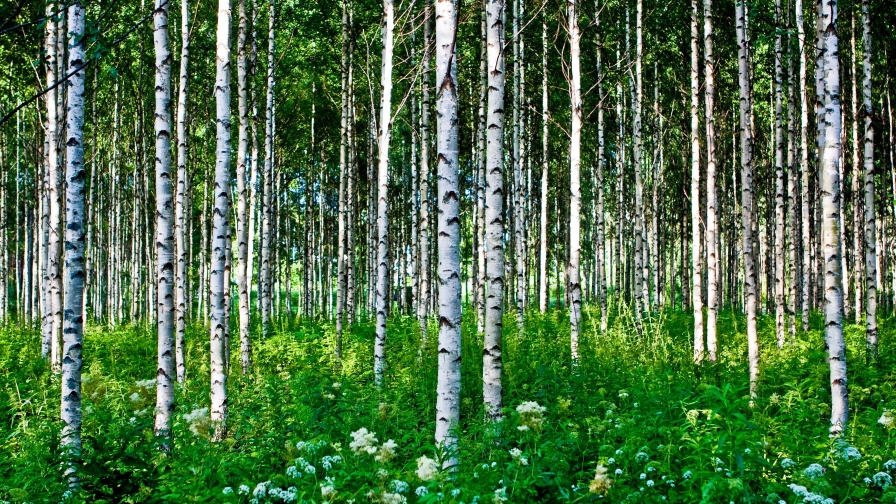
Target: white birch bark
x=696, y=254
x=601, y=169
x=242, y=189
x=382, y=220
x=165, y=373
x=49, y=347
x=543, y=280
x=871, y=259
x=266, y=271
x=341, y=280
x=448, y=387
x=575, y=162
x=804, y=169
x=746, y=165
x=219, y=246
x=713, y=273
x=180, y=217
x=642, y=298
x=425, y=288
x=779, y=181
x=74, y=247
x=831, y=193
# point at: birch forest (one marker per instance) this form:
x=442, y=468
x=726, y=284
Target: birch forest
x=459, y=251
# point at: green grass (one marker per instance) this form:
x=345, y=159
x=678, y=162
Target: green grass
x=633, y=404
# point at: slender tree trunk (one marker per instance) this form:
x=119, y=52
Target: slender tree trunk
x=448, y=388
x=220, y=224
x=242, y=190
x=779, y=182
x=575, y=161
x=341, y=281
x=544, y=279
x=871, y=266
x=746, y=164
x=712, y=197
x=165, y=374
x=642, y=297
x=804, y=168
x=831, y=193
x=481, y=147
x=383, y=135
x=180, y=219
x=74, y=248
x=696, y=254
x=601, y=170
x=792, y=187
x=267, y=224
x=425, y=289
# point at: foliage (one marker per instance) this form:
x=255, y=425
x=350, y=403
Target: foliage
x=659, y=428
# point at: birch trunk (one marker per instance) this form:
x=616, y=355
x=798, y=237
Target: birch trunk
x=642, y=298
x=831, y=193
x=266, y=274
x=382, y=220
x=217, y=287
x=74, y=248
x=425, y=289
x=871, y=266
x=165, y=374
x=696, y=254
x=448, y=388
x=180, y=218
x=779, y=182
x=49, y=346
x=242, y=190
x=341, y=283
x=746, y=165
x=575, y=191
x=599, y=266
x=806, y=244
x=712, y=196
x=543, y=279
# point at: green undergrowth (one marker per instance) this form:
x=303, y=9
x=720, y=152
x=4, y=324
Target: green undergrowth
x=660, y=428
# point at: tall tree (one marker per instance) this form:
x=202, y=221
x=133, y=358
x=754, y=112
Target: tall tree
x=75, y=176
x=713, y=273
x=830, y=194
x=871, y=272
x=696, y=235
x=382, y=212
x=494, y=210
x=220, y=223
x=779, y=180
x=746, y=167
x=448, y=387
x=575, y=162
x=806, y=244
x=165, y=374
x=180, y=217
x=242, y=189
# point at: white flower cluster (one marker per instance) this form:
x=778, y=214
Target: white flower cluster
x=641, y=457
x=198, y=420
x=845, y=451
x=387, y=498
x=500, y=495
x=386, y=451
x=814, y=471
x=310, y=447
x=264, y=490
x=517, y=454
x=427, y=468
x=882, y=479
x=328, y=461
x=147, y=384
x=890, y=465
x=531, y=415
x=787, y=463
x=399, y=486
x=601, y=482
x=888, y=419
x=808, y=496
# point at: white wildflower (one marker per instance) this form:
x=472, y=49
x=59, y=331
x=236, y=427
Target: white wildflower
x=455, y=492
x=292, y=472
x=611, y=461
x=364, y=442
x=687, y=475
x=641, y=457
x=890, y=465
x=327, y=490
x=398, y=486
x=643, y=476
x=650, y=483
x=135, y=397
x=601, y=483
x=618, y=472
x=337, y=385
x=147, y=384
x=227, y=490
x=888, y=419
x=882, y=479
x=421, y=491
x=261, y=489
x=386, y=452
x=531, y=415
x=787, y=463
x=427, y=468
x=500, y=495
x=814, y=471
x=198, y=420
x=243, y=490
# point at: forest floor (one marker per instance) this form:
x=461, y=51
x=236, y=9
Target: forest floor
x=664, y=429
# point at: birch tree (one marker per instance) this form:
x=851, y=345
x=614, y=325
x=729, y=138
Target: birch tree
x=220, y=224
x=871, y=272
x=779, y=181
x=165, y=373
x=448, y=387
x=804, y=167
x=494, y=210
x=75, y=176
x=746, y=166
x=242, y=189
x=696, y=255
x=575, y=161
x=180, y=217
x=382, y=217
x=713, y=273
x=830, y=195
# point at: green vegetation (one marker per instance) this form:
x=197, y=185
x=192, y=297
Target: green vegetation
x=664, y=429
